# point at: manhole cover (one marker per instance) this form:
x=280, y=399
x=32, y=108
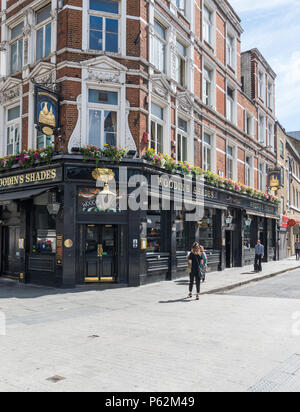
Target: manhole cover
x=56, y=379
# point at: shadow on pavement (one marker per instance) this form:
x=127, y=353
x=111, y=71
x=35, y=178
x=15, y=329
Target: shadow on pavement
x=184, y=300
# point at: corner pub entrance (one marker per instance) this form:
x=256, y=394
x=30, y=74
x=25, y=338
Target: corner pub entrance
x=52, y=231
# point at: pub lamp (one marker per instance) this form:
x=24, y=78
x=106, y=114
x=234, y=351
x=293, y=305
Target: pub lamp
x=105, y=198
x=229, y=220
x=53, y=208
x=131, y=153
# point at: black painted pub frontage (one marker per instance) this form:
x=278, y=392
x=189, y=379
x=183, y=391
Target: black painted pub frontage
x=52, y=231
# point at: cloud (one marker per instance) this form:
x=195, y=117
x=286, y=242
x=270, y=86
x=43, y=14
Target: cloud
x=243, y=6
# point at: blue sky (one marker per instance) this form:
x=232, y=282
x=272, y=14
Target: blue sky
x=273, y=26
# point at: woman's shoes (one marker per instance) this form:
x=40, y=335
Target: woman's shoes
x=190, y=295
x=197, y=297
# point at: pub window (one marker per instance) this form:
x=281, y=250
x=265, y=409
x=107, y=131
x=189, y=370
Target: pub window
x=182, y=139
x=16, y=48
x=44, y=227
x=154, y=244
x=182, y=233
x=157, y=128
x=181, y=64
x=43, y=32
x=104, y=25
x=43, y=140
x=206, y=229
x=159, y=47
x=13, y=131
x=103, y=117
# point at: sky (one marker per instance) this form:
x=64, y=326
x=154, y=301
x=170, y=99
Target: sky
x=273, y=26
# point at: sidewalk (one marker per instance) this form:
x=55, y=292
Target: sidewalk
x=236, y=277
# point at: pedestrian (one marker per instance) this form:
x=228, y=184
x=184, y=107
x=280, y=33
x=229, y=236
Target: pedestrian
x=204, y=266
x=259, y=255
x=297, y=248
x=195, y=261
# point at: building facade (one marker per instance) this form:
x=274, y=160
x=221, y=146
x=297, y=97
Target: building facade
x=139, y=74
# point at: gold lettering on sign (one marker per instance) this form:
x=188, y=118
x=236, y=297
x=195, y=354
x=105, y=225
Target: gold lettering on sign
x=45, y=175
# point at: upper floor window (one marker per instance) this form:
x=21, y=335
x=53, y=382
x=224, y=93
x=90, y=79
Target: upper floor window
x=43, y=140
x=159, y=47
x=230, y=51
x=261, y=177
x=230, y=104
x=261, y=85
x=207, y=152
x=271, y=139
x=181, y=6
x=181, y=64
x=104, y=25
x=207, y=86
x=248, y=171
x=13, y=125
x=16, y=48
x=207, y=25
x=157, y=127
x=261, y=130
x=43, y=32
x=229, y=162
x=103, y=117
x=249, y=124
x=182, y=140
x=281, y=148
x=270, y=95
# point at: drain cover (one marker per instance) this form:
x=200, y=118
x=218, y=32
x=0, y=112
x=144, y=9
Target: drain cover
x=56, y=379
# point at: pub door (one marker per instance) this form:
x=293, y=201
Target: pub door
x=10, y=251
x=229, y=249
x=101, y=253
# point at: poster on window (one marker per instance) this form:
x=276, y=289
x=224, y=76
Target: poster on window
x=46, y=110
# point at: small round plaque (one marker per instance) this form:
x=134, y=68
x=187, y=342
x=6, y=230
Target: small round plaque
x=68, y=243
x=47, y=131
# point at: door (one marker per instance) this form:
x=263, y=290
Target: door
x=10, y=251
x=229, y=249
x=101, y=253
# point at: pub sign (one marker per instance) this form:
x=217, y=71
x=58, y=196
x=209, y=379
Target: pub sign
x=274, y=180
x=46, y=110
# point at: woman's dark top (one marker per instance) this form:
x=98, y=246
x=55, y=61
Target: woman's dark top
x=196, y=262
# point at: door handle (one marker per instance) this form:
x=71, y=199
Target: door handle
x=100, y=251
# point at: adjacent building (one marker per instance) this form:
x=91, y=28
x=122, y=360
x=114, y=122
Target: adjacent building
x=138, y=74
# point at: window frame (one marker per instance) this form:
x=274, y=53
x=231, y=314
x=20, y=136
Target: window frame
x=180, y=135
x=16, y=40
x=233, y=101
x=104, y=15
x=162, y=42
x=179, y=60
x=157, y=121
x=15, y=122
x=261, y=85
x=233, y=60
x=211, y=148
x=260, y=140
x=249, y=170
x=102, y=107
x=210, y=24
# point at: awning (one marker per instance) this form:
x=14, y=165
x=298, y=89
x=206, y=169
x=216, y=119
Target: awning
x=261, y=214
x=22, y=194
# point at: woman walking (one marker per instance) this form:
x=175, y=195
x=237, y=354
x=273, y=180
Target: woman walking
x=195, y=260
x=204, y=265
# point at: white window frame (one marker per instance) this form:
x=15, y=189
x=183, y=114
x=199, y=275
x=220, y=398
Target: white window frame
x=270, y=94
x=232, y=63
x=158, y=121
x=104, y=107
x=261, y=176
x=209, y=5
x=11, y=43
x=233, y=101
x=249, y=116
x=180, y=133
x=155, y=50
x=260, y=140
x=104, y=15
x=181, y=6
x=271, y=136
x=181, y=59
x=45, y=140
x=14, y=122
x=249, y=170
x=206, y=65
x=43, y=25
x=261, y=85
x=211, y=147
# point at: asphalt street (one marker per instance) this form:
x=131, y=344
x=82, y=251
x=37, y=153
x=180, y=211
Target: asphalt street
x=152, y=338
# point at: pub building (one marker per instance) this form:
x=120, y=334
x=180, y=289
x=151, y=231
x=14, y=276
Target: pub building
x=54, y=233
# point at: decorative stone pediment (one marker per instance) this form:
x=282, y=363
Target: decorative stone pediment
x=161, y=87
x=103, y=69
x=184, y=102
x=10, y=90
x=43, y=73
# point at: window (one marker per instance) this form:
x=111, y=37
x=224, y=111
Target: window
x=207, y=25
x=229, y=162
x=43, y=140
x=230, y=104
x=261, y=130
x=207, y=86
x=182, y=137
x=181, y=6
x=16, y=48
x=157, y=128
x=43, y=32
x=271, y=136
x=103, y=117
x=206, y=229
x=181, y=64
x=281, y=149
x=207, y=152
x=159, y=47
x=270, y=95
x=154, y=233
x=13, y=131
x=249, y=124
x=230, y=51
x=104, y=25
x=248, y=170
x=261, y=177
x=261, y=85
x=44, y=227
